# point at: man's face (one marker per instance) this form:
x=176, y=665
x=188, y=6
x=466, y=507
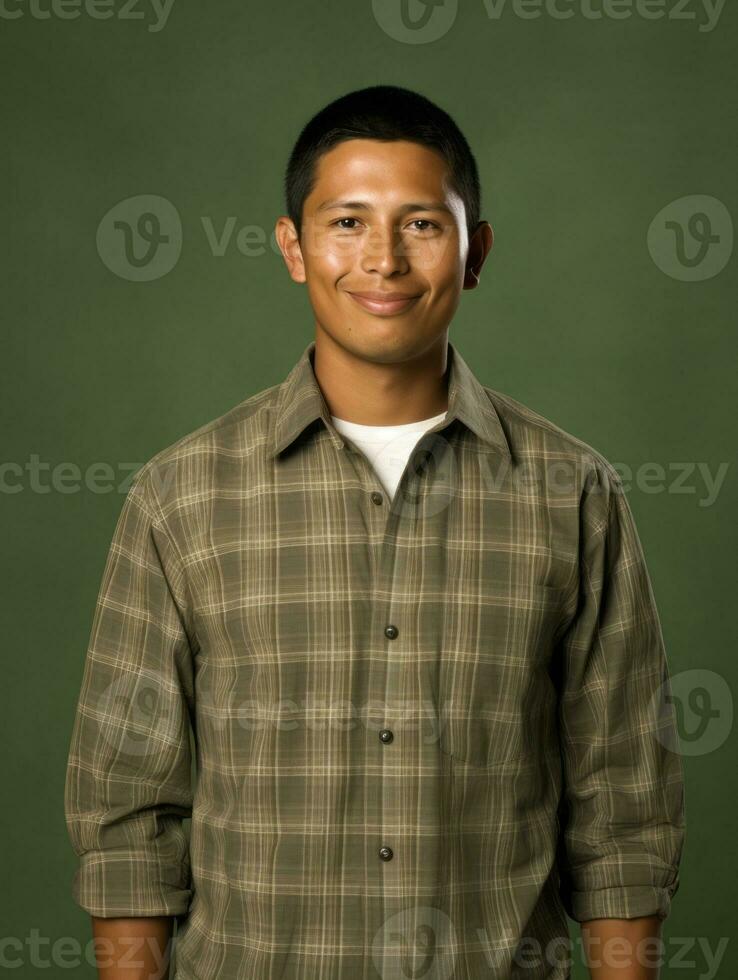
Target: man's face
x=382, y=218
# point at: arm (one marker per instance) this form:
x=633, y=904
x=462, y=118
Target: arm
x=623, y=949
x=622, y=810
x=128, y=782
x=133, y=949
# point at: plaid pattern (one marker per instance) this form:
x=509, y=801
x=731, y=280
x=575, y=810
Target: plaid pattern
x=424, y=729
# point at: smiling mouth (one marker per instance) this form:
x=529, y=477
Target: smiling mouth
x=384, y=307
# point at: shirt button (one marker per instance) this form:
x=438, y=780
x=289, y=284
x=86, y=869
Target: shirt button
x=391, y=632
x=385, y=853
x=386, y=735
x=376, y=497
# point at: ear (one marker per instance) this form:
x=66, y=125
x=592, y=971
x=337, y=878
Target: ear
x=289, y=245
x=480, y=245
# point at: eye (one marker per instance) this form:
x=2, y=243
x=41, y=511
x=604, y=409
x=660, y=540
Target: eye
x=428, y=225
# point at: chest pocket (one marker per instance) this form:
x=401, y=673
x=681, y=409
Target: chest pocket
x=493, y=680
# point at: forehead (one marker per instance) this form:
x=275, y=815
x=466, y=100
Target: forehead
x=373, y=170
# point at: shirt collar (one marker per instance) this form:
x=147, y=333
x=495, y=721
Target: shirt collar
x=300, y=401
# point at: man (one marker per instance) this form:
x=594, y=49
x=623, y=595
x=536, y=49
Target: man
x=409, y=621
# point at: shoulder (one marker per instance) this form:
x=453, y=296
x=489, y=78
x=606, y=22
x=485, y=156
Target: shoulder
x=188, y=469
x=535, y=438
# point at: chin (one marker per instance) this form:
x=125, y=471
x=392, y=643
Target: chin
x=388, y=340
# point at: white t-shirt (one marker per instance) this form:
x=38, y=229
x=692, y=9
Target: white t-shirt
x=387, y=447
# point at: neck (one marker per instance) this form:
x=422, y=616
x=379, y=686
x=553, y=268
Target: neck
x=370, y=392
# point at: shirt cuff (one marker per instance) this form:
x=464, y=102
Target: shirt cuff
x=623, y=902
x=111, y=884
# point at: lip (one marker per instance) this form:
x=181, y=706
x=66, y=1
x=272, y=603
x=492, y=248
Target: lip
x=384, y=303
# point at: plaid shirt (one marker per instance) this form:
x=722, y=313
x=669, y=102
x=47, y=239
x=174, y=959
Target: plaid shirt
x=423, y=729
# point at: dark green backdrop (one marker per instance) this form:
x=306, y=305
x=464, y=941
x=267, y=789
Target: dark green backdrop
x=584, y=129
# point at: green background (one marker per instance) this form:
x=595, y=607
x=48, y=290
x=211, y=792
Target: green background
x=583, y=129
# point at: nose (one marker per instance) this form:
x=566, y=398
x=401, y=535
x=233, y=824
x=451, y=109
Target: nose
x=384, y=250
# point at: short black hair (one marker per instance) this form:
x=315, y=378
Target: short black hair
x=382, y=112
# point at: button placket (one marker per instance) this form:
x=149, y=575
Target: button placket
x=395, y=633
x=383, y=516
x=381, y=522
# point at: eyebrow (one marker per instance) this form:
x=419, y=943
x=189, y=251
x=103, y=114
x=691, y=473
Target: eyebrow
x=363, y=206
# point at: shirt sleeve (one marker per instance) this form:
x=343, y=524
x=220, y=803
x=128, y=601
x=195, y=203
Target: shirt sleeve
x=622, y=812
x=128, y=779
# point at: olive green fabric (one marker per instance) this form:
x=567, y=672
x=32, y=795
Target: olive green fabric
x=425, y=728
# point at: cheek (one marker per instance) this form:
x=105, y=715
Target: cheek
x=440, y=260
x=333, y=264
x=327, y=258
x=323, y=274
x=445, y=291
